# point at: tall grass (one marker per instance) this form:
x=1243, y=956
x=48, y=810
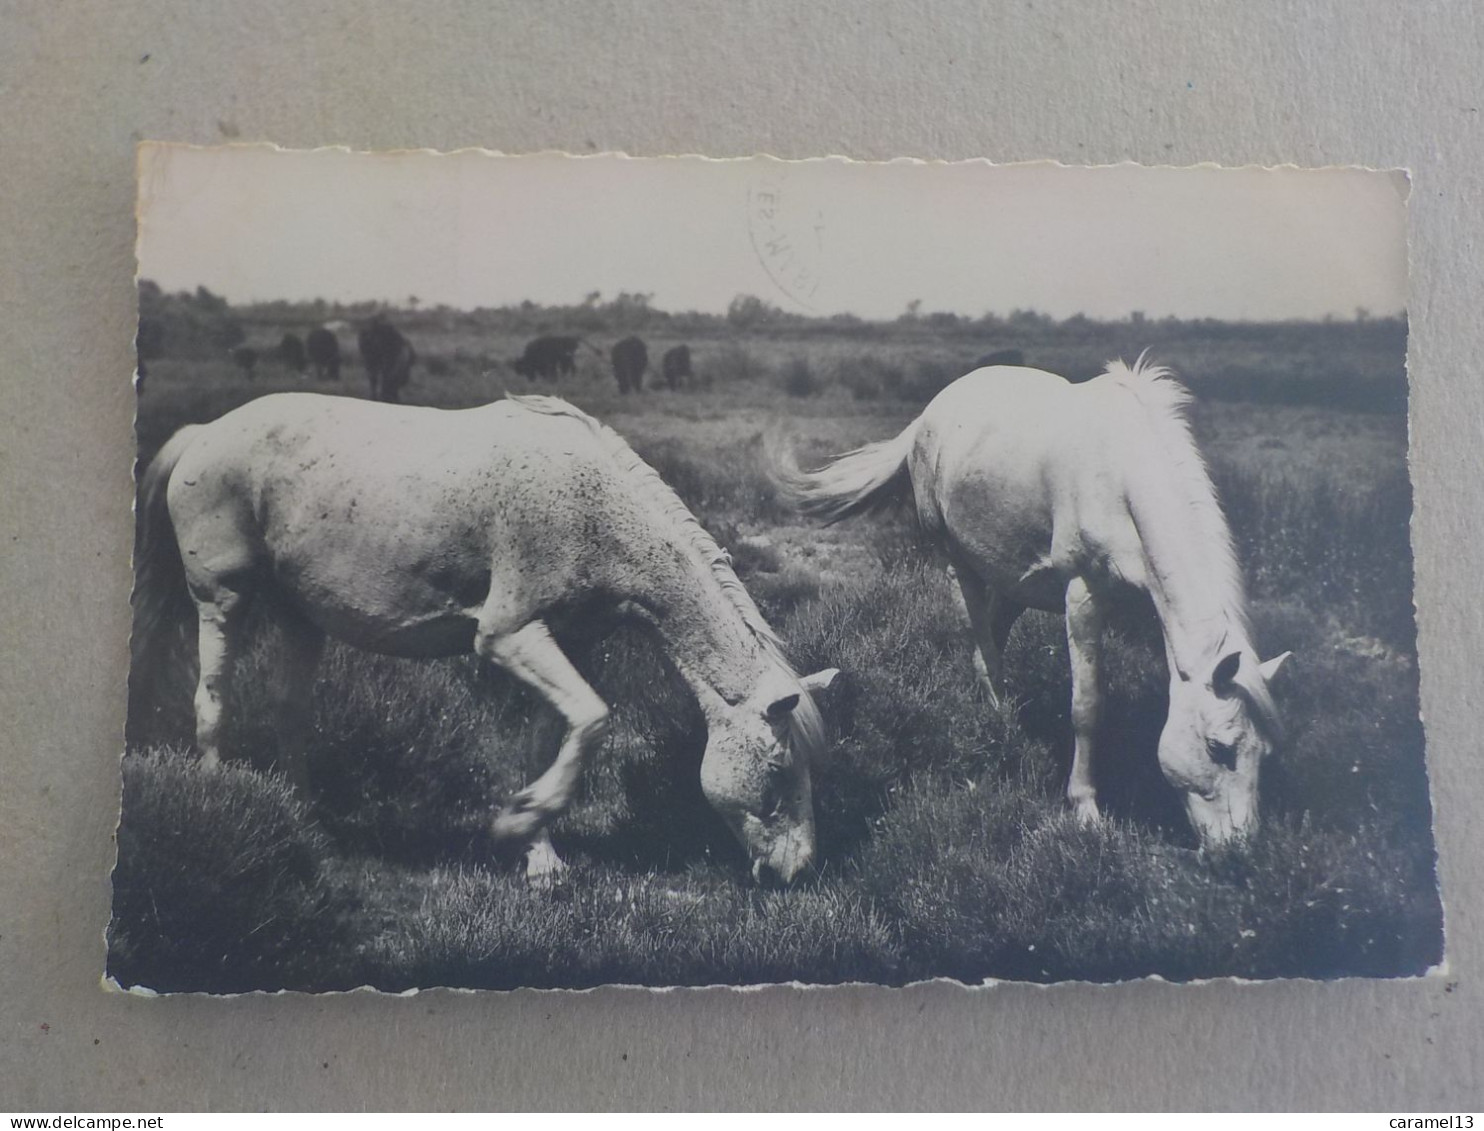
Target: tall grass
x=988, y=880
x=605, y=926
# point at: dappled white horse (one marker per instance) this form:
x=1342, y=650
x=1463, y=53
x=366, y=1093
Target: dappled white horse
x=420, y=532
x=1056, y=496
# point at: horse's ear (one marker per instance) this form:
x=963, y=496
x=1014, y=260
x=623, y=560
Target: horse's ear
x=781, y=708
x=1269, y=668
x=1225, y=671
x=819, y=680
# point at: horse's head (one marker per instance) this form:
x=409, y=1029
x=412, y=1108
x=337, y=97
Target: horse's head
x=755, y=772
x=1221, y=725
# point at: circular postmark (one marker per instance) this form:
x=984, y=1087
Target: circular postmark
x=787, y=233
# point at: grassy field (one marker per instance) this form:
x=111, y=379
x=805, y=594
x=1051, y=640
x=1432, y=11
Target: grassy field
x=946, y=850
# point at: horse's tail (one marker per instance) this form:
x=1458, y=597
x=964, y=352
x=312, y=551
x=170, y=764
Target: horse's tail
x=162, y=645
x=867, y=479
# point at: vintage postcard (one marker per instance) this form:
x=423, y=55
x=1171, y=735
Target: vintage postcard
x=557, y=572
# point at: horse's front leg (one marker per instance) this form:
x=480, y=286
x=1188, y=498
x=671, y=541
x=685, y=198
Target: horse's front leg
x=219, y=618
x=544, y=867
x=532, y=656
x=1085, y=646
x=544, y=737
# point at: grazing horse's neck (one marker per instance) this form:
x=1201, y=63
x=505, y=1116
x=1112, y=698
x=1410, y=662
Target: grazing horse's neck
x=689, y=595
x=1190, y=571
x=704, y=633
x=711, y=630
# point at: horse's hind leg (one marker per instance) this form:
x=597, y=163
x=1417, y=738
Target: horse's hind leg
x=303, y=644
x=532, y=656
x=219, y=621
x=1084, y=645
x=991, y=617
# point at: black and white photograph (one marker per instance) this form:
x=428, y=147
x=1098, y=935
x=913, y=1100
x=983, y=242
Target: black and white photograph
x=555, y=571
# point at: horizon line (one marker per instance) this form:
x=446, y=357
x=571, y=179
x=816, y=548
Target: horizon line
x=1359, y=316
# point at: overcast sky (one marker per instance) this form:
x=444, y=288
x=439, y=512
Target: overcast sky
x=819, y=237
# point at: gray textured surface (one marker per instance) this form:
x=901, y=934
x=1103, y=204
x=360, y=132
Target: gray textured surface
x=1381, y=84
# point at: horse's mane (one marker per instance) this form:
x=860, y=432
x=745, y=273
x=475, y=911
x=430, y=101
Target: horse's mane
x=806, y=724
x=1166, y=403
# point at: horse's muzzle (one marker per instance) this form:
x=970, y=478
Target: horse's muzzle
x=1230, y=817
x=795, y=867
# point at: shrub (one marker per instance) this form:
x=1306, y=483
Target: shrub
x=798, y=378
x=931, y=377
x=868, y=376
x=408, y=758
x=732, y=363
x=723, y=486
x=219, y=883
x=908, y=701
x=413, y=757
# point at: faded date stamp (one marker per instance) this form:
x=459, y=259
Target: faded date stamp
x=787, y=235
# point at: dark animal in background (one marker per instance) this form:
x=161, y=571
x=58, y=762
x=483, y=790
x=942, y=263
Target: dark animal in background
x=247, y=360
x=1000, y=357
x=547, y=358
x=675, y=367
x=291, y=353
x=388, y=358
x=630, y=360
x=323, y=349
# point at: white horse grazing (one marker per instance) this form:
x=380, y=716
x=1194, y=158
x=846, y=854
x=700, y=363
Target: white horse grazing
x=420, y=532
x=1056, y=496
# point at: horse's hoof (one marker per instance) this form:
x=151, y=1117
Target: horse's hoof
x=546, y=878
x=997, y=700
x=1087, y=813
x=1000, y=702
x=545, y=870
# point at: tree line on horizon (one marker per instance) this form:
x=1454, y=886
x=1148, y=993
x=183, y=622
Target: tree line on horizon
x=633, y=311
